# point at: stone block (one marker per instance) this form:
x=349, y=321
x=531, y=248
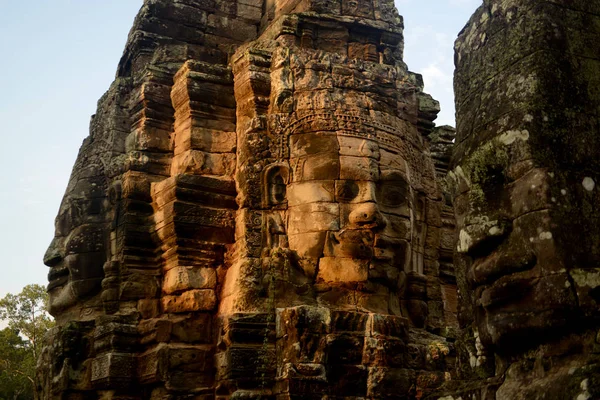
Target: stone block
x=249, y=12
x=358, y=169
x=181, y=381
x=349, y=322
x=415, y=357
x=303, y=381
x=194, y=231
x=416, y=310
x=303, y=334
x=386, y=352
x=136, y=186
x=198, y=162
x=390, y=383
x=151, y=163
x=363, y=51
x=392, y=160
x=204, y=139
x=374, y=297
x=149, y=308
x=358, y=147
x=313, y=217
x=336, y=270
x=191, y=358
x=253, y=3
x=155, y=331
x=319, y=167
x=181, y=279
x=312, y=144
x=139, y=286
x=360, y=8
x=230, y=28
x=347, y=380
x=196, y=328
x=345, y=349
x=310, y=192
x=239, y=362
x=248, y=328
x=152, y=365
x=309, y=245
x=113, y=370
x=149, y=138
x=389, y=326
x=587, y=284
x=190, y=301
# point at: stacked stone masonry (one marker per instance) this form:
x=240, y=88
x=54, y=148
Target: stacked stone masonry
x=255, y=213
x=265, y=209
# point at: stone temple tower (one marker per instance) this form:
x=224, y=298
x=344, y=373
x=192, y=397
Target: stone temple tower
x=256, y=214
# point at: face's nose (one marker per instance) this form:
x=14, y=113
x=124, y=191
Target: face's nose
x=53, y=255
x=367, y=215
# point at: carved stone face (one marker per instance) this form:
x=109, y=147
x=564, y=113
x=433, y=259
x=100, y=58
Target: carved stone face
x=349, y=210
x=78, y=251
x=517, y=258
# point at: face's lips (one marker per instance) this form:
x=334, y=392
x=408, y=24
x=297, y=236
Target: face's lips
x=363, y=244
x=57, y=277
x=503, y=276
x=501, y=268
x=350, y=244
x=498, y=264
x=505, y=290
x=356, y=236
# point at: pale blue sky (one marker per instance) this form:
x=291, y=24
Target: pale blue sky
x=59, y=56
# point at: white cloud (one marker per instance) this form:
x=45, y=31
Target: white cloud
x=436, y=79
x=430, y=52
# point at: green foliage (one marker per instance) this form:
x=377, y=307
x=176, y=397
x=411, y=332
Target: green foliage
x=17, y=366
x=26, y=313
x=21, y=343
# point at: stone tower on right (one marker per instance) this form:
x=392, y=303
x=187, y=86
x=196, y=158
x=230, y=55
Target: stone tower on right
x=525, y=170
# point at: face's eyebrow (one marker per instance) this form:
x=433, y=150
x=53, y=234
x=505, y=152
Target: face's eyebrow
x=393, y=175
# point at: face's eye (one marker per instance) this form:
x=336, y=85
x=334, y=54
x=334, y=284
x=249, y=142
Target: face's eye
x=393, y=195
x=347, y=191
x=392, y=191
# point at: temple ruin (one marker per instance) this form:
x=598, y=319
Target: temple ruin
x=265, y=209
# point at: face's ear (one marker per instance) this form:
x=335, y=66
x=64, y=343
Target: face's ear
x=115, y=192
x=275, y=180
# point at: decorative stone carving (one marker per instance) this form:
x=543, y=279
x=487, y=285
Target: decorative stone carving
x=256, y=214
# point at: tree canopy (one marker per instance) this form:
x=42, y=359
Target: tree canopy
x=21, y=341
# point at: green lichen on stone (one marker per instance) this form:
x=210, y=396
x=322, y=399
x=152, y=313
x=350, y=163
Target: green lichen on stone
x=486, y=165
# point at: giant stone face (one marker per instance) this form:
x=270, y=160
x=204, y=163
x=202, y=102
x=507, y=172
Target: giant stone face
x=526, y=271
x=78, y=251
x=348, y=183
x=350, y=207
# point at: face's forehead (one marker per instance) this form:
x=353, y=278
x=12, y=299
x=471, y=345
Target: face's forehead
x=392, y=162
x=330, y=156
